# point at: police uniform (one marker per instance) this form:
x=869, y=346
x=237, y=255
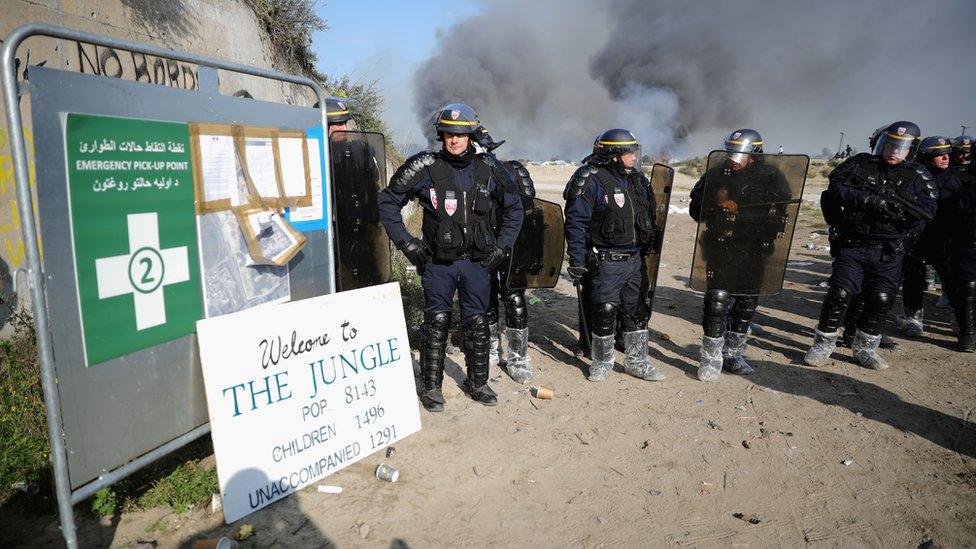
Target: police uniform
x=962, y=255
x=460, y=196
x=609, y=229
x=731, y=243
x=872, y=207
x=932, y=246
x=514, y=352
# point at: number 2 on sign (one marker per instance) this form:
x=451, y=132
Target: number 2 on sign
x=383, y=436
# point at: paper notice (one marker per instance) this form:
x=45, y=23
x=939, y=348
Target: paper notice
x=261, y=165
x=219, y=168
x=313, y=212
x=278, y=243
x=292, y=166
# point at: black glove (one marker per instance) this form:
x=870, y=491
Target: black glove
x=494, y=259
x=576, y=272
x=890, y=210
x=417, y=253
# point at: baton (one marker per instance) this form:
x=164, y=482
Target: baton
x=584, y=329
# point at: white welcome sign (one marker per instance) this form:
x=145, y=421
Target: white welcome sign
x=297, y=391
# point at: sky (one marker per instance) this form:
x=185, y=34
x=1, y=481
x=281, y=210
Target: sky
x=672, y=72
x=385, y=41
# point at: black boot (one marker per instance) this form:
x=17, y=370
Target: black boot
x=432, y=351
x=966, y=315
x=476, y=339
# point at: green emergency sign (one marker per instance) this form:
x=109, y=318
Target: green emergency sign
x=133, y=231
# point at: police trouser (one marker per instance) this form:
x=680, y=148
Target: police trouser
x=617, y=287
x=913, y=279
x=469, y=279
x=963, y=260
x=873, y=269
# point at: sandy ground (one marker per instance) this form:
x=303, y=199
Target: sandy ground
x=634, y=463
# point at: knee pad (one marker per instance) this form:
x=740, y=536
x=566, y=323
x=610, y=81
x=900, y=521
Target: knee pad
x=876, y=307
x=436, y=327
x=715, y=307
x=834, y=305
x=516, y=312
x=743, y=310
x=476, y=333
x=604, y=319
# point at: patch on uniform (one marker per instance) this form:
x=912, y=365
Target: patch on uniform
x=455, y=114
x=450, y=203
x=433, y=198
x=618, y=197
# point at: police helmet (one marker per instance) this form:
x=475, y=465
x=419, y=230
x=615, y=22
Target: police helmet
x=873, y=140
x=900, y=140
x=456, y=118
x=963, y=144
x=744, y=140
x=338, y=110
x=615, y=142
x=935, y=145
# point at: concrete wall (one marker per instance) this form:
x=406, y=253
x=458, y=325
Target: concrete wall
x=220, y=28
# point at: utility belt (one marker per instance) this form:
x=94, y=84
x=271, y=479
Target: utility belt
x=612, y=256
x=889, y=248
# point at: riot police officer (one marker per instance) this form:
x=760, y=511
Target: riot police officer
x=338, y=112
x=932, y=246
x=962, y=252
x=460, y=193
x=733, y=243
x=609, y=229
x=358, y=163
x=514, y=351
x=873, y=203
x=856, y=305
x=962, y=151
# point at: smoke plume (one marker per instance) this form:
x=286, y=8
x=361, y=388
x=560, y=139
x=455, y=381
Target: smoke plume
x=550, y=75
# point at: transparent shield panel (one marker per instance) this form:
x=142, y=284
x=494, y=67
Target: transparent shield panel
x=661, y=178
x=750, y=204
x=538, y=253
x=358, y=168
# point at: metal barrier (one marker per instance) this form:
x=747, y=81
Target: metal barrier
x=38, y=278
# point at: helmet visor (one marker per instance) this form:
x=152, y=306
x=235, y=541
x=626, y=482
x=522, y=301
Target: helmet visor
x=894, y=146
x=742, y=145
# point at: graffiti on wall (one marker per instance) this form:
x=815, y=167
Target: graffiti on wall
x=12, y=249
x=139, y=67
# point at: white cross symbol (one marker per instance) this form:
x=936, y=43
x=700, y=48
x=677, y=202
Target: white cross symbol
x=144, y=271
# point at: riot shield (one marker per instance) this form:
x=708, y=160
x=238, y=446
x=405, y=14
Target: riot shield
x=358, y=170
x=749, y=208
x=538, y=252
x=660, y=178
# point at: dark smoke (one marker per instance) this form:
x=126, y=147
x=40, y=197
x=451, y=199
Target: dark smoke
x=550, y=75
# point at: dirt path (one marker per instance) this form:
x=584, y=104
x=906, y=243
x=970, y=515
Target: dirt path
x=634, y=463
